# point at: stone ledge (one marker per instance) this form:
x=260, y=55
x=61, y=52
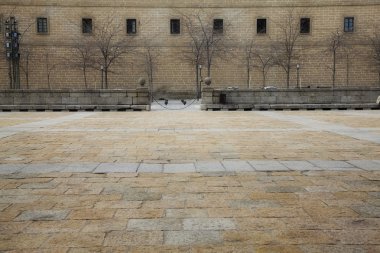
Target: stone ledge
x=133, y=99
x=232, y=107
x=74, y=107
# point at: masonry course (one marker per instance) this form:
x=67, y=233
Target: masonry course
x=174, y=75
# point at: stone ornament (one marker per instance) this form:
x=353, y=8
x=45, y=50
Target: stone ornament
x=208, y=81
x=141, y=81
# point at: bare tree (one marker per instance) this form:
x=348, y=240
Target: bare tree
x=26, y=55
x=50, y=67
x=375, y=44
x=350, y=53
x=26, y=52
x=249, y=55
x=264, y=62
x=215, y=45
x=335, y=43
x=109, y=40
x=194, y=53
x=84, y=57
x=208, y=40
x=285, y=46
x=150, y=56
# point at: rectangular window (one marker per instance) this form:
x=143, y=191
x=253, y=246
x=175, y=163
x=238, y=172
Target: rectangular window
x=131, y=26
x=175, y=26
x=218, y=25
x=42, y=25
x=86, y=25
x=305, y=25
x=349, y=24
x=261, y=26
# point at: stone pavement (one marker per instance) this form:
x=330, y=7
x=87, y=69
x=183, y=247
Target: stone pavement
x=176, y=181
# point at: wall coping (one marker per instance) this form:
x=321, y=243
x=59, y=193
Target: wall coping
x=73, y=90
x=296, y=89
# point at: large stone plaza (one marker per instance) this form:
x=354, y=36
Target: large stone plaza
x=190, y=126
x=190, y=181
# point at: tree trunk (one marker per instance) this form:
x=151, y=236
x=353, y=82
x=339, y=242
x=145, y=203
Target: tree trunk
x=85, y=77
x=288, y=78
x=197, y=80
x=10, y=74
x=27, y=72
x=334, y=68
x=151, y=80
x=248, y=78
x=105, y=78
x=48, y=78
x=47, y=70
x=264, y=77
x=348, y=70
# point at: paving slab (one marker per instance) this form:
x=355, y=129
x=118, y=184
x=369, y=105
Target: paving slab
x=365, y=164
x=149, y=167
x=179, y=168
x=261, y=165
x=43, y=168
x=42, y=215
x=80, y=167
x=367, y=211
x=117, y=168
x=203, y=224
x=237, y=166
x=39, y=185
x=337, y=165
x=209, y=166
x=165, y=224
x=184, y=238
x=10, y=168
x=300, y=165
x=133, y=238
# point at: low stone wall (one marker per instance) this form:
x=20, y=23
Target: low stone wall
x=137, y=99
x=306, y=98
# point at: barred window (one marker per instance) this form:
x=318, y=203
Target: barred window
x=305, y=25
x=175, y=26
x=261, y=25
x=86, y=25
x=131, y=26
x=218, y=25
x=42, y=25
x=349, y=23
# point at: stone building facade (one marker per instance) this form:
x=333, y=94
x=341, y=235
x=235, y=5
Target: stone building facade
x=150, y=22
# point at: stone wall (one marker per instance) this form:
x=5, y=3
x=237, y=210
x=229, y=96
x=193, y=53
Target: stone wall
x=137, y=99
x=305, y=98
x=173, y=74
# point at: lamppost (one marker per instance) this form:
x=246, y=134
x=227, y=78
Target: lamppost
x=200, y=82
x=12, y=43
x=298, y=76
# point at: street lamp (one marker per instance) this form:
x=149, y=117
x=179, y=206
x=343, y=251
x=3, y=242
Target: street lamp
x=298, y=76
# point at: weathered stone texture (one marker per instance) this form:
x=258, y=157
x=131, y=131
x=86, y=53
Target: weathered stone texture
x=173, y=74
